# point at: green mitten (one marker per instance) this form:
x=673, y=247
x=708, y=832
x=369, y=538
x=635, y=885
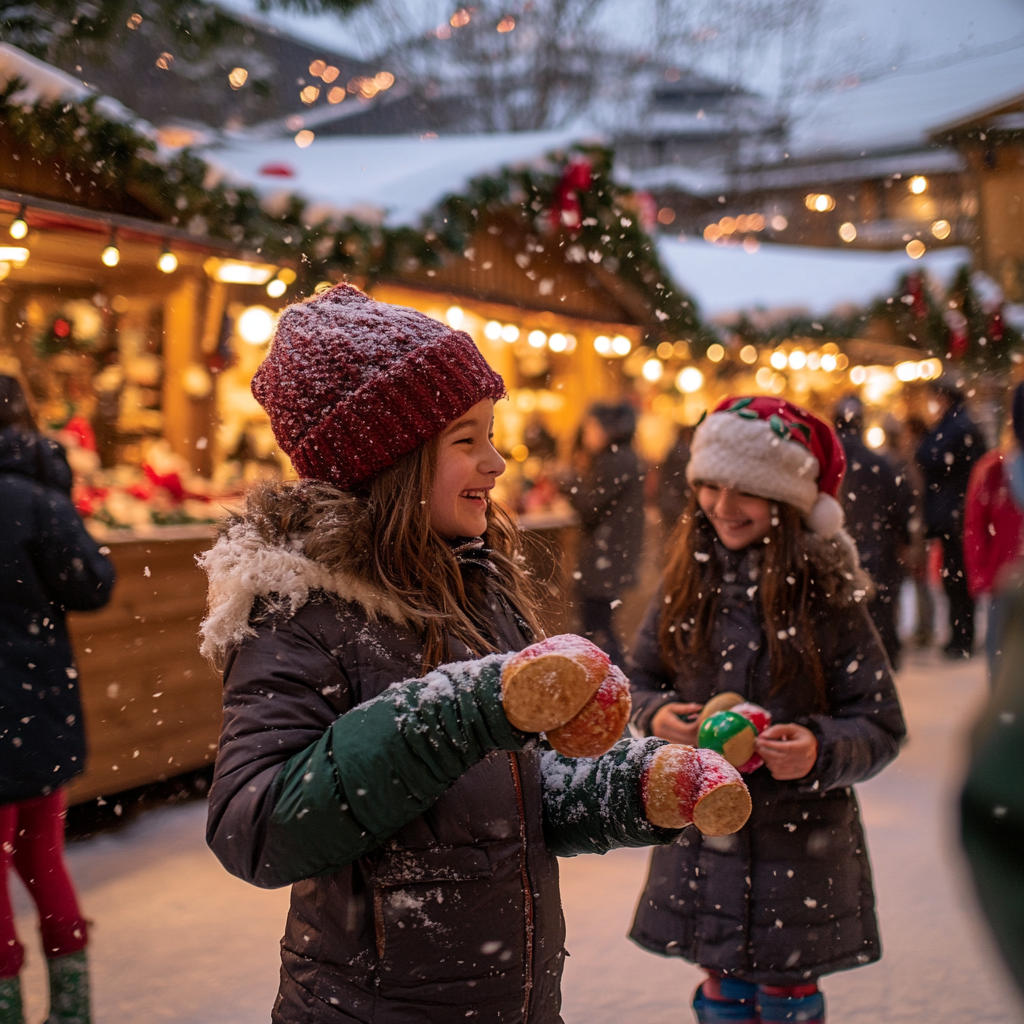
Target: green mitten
x=10, y=1001
x=69, y=989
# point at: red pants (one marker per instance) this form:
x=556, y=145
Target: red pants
x=32, y=836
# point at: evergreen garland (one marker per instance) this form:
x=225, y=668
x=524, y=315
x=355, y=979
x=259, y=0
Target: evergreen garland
x=118, y=158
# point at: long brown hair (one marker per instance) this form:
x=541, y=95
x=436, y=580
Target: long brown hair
x=397, y=552
x=790, y=590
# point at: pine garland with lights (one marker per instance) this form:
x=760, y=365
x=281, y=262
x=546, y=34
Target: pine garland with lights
x=117, y=158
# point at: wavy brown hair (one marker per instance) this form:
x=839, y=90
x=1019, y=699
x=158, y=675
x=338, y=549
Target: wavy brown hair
x=381, y=534
x=795, y=584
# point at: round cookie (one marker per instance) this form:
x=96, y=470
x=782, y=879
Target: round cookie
x=599, y=725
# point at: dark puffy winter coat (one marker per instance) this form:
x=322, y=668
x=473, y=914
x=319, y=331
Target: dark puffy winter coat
x=609, y=499
x=946, y=457
x=418, y=829
x=878, y=506
x=48, y=565
x=789, y=897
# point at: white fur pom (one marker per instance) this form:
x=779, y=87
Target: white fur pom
x=826, y=518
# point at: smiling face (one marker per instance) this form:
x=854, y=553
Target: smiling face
x=739, y=519
x=467, y=466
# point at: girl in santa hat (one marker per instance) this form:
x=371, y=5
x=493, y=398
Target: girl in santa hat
x=763, y=597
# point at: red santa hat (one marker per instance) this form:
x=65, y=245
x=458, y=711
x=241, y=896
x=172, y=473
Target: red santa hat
x=776, y=450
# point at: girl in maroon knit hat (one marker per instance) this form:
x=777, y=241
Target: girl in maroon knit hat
x=763, y=598
x=410, y=806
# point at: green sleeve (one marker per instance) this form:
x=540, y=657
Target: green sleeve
x=381, y=765
x=593, y=805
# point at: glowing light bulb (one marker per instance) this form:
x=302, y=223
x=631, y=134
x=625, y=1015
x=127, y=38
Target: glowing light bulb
x=652, y=370
x=603, y=345
x=558, y=342
x=748, y=354
x=621, y=345
x=918, y=184
x=690, y=379
x=510, y=333
x=256, y=325
x=19, y=228
x=716, y=353
x=276, y=288
x=111, y=256
x=537, y=339
x=167, y=262
x=779, y=359
x=492, y=330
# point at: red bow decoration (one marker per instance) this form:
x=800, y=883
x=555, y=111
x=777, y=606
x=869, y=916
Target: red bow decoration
x=566, y=210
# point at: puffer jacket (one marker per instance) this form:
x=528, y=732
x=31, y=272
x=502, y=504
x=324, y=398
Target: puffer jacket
x=789, y=897
x=417, y=828
x=48, y=565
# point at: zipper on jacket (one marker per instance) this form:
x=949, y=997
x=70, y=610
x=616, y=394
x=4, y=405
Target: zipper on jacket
x=513, y=761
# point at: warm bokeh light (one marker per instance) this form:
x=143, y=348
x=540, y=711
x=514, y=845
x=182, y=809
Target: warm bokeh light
x=665, y=350
x=454, y=315
x=847, y=232
x=536, y=339
x=276, y=288
x=915, y=248
x=764, y=377
x=603, y=345
x=779, y=359
x=712, y=233
x=748, y=354
x=492, y=330
x=779, y=223
x=819, y=202
x=652, y=370
x=907, y=371
x=941, y=229
x=875, y=437
x=621, y=345
x=716, y=353
x=918, y=184
x=310, y=94
x=19, y=227
x=256, y=325
x=507, y=23
x=558, y=342
x=858, y=375
x=690, y=380
x=111, y=256
x=317, y=68
x=167, y=262
x=237, y=77
x=16, y=254
x=510, y=333
x=797, y=359
x=666, y=215
x=304, y=138
x=828, y=362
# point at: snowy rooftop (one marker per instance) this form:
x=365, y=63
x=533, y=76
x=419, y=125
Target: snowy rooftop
x=394, y=177
x=906, y=106
x=726, y=280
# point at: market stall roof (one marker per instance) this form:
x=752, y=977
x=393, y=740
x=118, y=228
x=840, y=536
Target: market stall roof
x=392, y=178
x=905, y=106
x=726, y=280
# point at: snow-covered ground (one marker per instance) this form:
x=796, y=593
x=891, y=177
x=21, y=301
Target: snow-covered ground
x=177, y=940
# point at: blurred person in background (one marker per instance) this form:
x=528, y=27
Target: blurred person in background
x=908, y=437
x=48, y=565
x=607, y=493
x=877, y=503
x=948, y=453
x=992, y=802
x=673, y=490
x=993, y=522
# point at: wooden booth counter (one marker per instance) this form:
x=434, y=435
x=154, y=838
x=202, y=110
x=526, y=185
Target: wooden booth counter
x=152, y=704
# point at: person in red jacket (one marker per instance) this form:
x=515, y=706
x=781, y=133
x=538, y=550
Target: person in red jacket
x=993, y=522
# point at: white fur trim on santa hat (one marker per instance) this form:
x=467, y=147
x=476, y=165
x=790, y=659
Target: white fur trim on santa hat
x=826, y=518
x=747, y=454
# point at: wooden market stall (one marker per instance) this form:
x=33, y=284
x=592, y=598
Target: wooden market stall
x=115, y=350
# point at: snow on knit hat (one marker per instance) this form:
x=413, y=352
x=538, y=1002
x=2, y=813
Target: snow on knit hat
x=351, y=385
x=776, y=450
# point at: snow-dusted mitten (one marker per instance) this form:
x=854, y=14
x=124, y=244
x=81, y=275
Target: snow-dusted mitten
x=69, y=989
x=685, y=785
x=792, y=1004
x=568, y=688
x=10, y=1001
x=725, y=999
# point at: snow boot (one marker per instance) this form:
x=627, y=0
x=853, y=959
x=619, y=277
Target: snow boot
x=69, y=989
x=719, y=1000
x=796, y=1004
x=10, y=1001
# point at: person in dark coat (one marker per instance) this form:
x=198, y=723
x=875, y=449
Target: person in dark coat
x=877, y=505
x=417, y=828
x=608, y=496
x=946, y=456
x=48, y=565
x=673, y=489
x=762, y=597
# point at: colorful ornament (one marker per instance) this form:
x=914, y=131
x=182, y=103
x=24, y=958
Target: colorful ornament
x=730, y=725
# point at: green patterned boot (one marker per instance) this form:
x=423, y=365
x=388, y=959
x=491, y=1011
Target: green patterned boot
x=10, y=1001
x=69, y=989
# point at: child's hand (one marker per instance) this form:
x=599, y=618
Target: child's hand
x=788, y=750
x=668, y=723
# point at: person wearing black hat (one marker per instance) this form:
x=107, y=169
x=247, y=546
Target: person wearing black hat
x=608, y=496
x=946, y=456
x=877, y=504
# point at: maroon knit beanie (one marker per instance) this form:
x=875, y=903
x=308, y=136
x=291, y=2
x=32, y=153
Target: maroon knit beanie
x=351, y=385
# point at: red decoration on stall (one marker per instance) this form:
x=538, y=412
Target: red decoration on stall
x=170, y=482
x=80, y=428
x=996, y=328
x=915, y=289
x=566, y=210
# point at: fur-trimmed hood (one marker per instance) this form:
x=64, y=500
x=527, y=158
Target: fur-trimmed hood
x=289, y=541
x=838, y=575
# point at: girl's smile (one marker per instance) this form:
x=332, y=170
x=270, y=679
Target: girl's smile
x=739, y=519
x=467, y=466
